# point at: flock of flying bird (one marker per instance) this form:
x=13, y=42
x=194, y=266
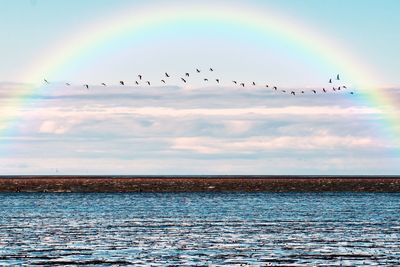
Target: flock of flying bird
x=186, y=76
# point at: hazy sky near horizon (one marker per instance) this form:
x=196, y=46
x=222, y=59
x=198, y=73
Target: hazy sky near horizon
x=198, y=128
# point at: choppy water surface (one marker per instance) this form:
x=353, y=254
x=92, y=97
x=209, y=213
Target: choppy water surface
x=257, y=229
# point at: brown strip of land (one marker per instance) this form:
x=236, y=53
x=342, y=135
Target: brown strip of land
x=198, y=184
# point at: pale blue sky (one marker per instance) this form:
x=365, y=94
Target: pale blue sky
x=369, y=29
x=207, y=129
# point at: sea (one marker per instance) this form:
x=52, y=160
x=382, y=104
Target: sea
x=200, y=229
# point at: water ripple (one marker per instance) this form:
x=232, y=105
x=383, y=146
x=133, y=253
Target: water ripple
x=198, y=229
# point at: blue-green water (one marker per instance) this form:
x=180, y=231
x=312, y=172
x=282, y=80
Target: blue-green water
x=256, y=229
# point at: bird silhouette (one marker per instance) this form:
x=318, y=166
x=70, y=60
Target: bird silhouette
x=217, y=80
x=67, y=84
x=323, y=89
x=148, y=83
x=352, y=93
x=302, y=92
x=187, y=74
x=330, y=80
x=205, y=79
x=337, y=77
x=242, y=84
x=140, y=76
x=314, y=91
x=276, y=88
x=211, y=69
x=293, y=93
x=254, y=83
x=46, y=81
x=344, y=87
x=283, y=91
x=235, y=82
x=87, y=86
x=167, y=75
x=122, y=82
x=339, y=88
x=198, y=71
x=267, y=85
x=163, y=81
x=137, y=83
x=103, y=84
x=183, y=80
x=334, y=89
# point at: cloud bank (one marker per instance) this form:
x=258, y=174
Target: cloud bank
x=172, y=130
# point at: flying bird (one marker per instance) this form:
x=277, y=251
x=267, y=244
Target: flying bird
x=187, y=74
x=211, y=69
x=136, y=82
x=198, y=71
x=276, y=88
x=140, y=77
x=344, y=87
x=267, y=85
x=254, y=83
x=217, y=80
x=352, y=93
x=302, y=92
x=67, y=84
x=339, y=88
x=235, y=82
x=87, y=86
x=337, y=77
x=205, y=79
x=122, y=82
x=183, y=80
x=163, y=81
x=293, y=93
x=46, y=81
x=314, y=91
x=148, y=82
x=323, y=89
x=330, y=80
x=103, y=84
x=242, y=84
x=284, y=91
x=167, y=75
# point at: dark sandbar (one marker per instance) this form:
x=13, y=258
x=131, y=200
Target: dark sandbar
x=199, y=183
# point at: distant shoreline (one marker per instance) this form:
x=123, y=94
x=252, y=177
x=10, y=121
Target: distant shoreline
x=228, y=176
x=198, y=183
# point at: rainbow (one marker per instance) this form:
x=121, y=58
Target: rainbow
x=138, y=22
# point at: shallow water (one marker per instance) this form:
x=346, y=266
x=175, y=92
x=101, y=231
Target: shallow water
x=257, y=229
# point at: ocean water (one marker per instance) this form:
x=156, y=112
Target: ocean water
x=200, y=229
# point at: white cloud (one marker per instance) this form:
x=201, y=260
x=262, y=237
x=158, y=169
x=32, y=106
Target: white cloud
x=238, y=126
x=206, y=145
x=101, y=111
x=51, y=127
x=57, y=127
